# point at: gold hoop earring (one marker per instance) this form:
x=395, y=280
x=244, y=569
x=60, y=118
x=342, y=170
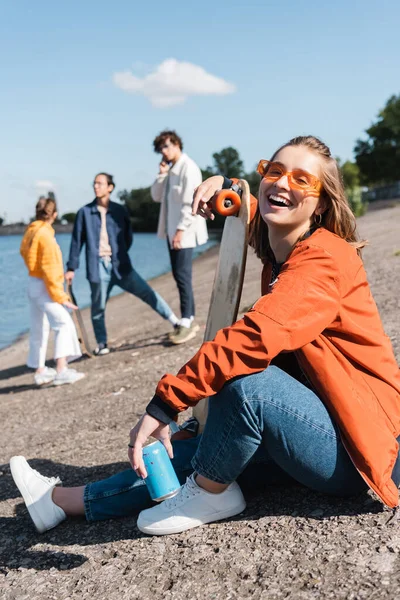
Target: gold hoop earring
x=318, y=219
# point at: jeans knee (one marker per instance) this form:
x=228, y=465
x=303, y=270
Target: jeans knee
x=232, y=396
x=263, y=381
x=247, y=388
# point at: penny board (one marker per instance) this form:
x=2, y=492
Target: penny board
x=228, y=280
x=80, y=327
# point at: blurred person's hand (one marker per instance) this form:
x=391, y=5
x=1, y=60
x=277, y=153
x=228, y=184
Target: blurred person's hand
x=70, y=305
x=177, y=240
x=69, y=275
x=164, y=167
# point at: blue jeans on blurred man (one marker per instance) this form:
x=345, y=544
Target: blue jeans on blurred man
x=132, y=283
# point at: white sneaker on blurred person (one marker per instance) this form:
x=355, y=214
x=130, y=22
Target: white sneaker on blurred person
x=191, y=507
x=101, y=350
x=36, y=491
x=45, y=376
x=67, y=376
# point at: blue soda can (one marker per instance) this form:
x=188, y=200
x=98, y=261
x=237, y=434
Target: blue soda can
x=161, y=479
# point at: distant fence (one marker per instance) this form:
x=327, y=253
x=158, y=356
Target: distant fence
x=384, y=192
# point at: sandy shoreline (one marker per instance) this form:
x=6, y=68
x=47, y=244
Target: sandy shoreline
x=288, y=543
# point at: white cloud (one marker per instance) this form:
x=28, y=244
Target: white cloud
x=44, y=184
x=172, y=82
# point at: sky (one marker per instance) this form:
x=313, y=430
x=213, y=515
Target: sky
x=87, y=85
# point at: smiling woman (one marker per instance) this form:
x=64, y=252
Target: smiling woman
x=305, y=387
x=304, y=180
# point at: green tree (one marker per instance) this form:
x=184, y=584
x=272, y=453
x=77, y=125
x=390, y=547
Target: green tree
x=351, y=174
x=69, y=217
x=253, y=179
x=351, y=179
x=226, y=162
x=378, y=157
x=141, y=208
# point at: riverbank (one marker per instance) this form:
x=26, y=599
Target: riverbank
x=289, y=543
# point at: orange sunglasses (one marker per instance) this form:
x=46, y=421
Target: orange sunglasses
x=298, y=179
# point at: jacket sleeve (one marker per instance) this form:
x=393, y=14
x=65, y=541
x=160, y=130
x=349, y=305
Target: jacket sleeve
x=302, y=303
x=191, y=179
x=77, y=241
x=52, y=270
x=157, y=189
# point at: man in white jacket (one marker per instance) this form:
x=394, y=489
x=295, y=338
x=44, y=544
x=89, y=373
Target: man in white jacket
x=173, y=188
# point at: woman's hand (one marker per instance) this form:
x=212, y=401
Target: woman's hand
x=203, y=194
x=146, y=426
x=70, y=305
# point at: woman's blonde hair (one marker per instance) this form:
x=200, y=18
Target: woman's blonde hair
x=45, y=209
x=337, y=216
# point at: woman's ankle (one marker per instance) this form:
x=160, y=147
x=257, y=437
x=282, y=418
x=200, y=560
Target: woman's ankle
x=61, y=364
x=213, y=487
x=70, y=500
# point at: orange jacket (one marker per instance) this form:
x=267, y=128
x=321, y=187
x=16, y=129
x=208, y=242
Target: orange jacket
x=42, y=256
x=321, y=309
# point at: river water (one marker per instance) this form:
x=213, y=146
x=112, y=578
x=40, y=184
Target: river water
x=148, y=253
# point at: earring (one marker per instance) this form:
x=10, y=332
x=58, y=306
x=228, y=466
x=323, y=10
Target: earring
x=318, y=219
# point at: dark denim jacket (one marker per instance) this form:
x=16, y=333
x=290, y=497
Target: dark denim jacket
x=87, y=231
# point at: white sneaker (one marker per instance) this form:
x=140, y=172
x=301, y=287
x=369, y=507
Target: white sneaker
x=101, y=350
x=67, y=376
x=191, y=507
x=36, y=491
x=46, y=376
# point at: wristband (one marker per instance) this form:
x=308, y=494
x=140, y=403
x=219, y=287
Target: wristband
x=227, y=183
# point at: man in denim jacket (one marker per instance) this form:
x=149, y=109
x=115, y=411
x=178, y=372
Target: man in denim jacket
x=105, y=229
x=173, y=188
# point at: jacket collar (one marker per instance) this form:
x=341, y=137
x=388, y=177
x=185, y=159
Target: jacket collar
x=94, y=210
x=176, y=168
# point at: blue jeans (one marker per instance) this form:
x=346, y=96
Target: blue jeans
x=181, y=265
x=132, y=283
x=263, y=429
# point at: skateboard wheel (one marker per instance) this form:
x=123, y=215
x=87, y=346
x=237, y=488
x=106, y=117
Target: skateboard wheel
x=226, y=203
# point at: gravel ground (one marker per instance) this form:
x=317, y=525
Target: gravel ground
x=289, y=543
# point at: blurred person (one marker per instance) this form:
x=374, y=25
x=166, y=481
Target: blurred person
x=48, y=300
x=104, y=227
x=177, y=178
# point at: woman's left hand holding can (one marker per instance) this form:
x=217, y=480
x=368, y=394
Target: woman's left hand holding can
x=146, y=426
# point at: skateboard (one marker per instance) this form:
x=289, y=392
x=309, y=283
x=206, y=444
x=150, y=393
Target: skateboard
x=80, y=327
x=229, y=274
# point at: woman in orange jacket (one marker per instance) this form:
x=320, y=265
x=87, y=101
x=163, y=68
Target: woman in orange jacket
x=48, y=300
x=305, y=386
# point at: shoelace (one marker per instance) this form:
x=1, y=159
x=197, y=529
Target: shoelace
x=187, y=491
x=49, y=480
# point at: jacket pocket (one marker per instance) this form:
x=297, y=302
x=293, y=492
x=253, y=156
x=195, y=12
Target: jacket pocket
x=176, y=193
